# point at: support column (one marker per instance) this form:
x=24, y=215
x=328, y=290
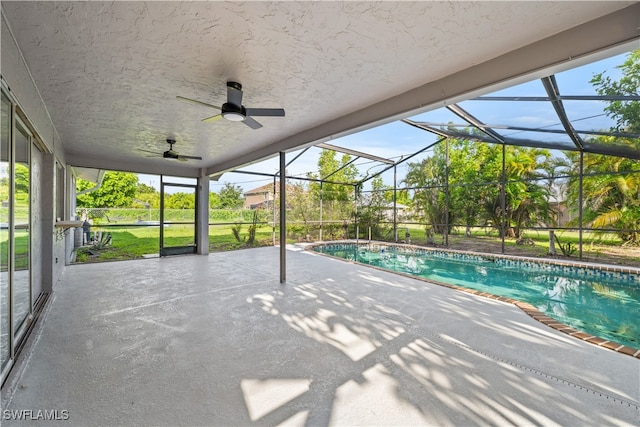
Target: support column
x=580, y=200
x=273, y=204
x=202, y=214
x=48, y=202
x=446, y=194
x=321, y=211
x=395, y=204
x=283, y=220
x=356, y=228
x=503, y=195
x=71, y=204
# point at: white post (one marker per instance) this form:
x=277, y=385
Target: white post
x=273, y=228
x=283, y=220
x=202, y=215
x=321, y=211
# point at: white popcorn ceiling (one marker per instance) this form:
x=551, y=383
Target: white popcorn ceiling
x=110, y=72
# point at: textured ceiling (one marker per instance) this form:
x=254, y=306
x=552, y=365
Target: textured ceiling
x=110, y=72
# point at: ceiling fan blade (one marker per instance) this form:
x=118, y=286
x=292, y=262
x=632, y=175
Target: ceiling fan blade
x=157, y=155
x=251, y=123
x=195, y=101
x=180, y=157
x=149, y=151
x=212, y=118
x=264, y=112
x=234, y=93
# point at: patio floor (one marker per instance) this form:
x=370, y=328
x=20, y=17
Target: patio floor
x=216, y=340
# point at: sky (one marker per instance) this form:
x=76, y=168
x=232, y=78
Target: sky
x=398, y=139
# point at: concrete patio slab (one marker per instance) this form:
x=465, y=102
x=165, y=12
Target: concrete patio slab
x=216, y=340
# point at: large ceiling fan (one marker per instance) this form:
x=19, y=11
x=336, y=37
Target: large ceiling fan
x=234, y=111
x=171, y=153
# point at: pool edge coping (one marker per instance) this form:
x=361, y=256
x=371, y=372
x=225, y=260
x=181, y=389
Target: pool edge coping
x=526, y=307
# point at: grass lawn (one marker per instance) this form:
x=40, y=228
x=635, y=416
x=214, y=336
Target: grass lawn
x=597, y=247
x=134, y=242
x=21, y=249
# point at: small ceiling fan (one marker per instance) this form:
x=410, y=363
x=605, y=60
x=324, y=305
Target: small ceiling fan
x=171, y=153
x=234, y=111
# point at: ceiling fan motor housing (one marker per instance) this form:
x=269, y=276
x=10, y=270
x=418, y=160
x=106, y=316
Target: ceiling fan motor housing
x=170, y=154
x=234, y=113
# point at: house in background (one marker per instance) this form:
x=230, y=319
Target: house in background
x=559, y=205
x=563, y=212
x=263, y=197
x=402, y=211
x=260, y=197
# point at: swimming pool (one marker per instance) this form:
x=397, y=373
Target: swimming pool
x=601, y=302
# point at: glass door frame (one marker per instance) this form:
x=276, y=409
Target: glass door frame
x=5, y=365
x=19, y=126
x=178, y=250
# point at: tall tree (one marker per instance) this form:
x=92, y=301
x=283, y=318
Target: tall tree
x=214, y=200
x=337, y=198
x=472, y=199
x=231, y=196
x=21, y=175
x=471, y=164
x=611, y=199
x=625, y=113
x=179, y=200
x=426, y=180
x=146, y=196
x=374, y=207
x=527, y=196
x=117, y=191
x=302, y=206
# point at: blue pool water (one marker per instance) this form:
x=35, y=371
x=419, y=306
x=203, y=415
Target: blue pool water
x=604, y=304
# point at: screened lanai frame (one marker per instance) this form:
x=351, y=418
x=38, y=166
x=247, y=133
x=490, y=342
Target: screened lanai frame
x=563, y=136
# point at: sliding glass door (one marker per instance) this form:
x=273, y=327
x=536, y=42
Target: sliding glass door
x=16, y=231
x=5, y=164
x=22, y=227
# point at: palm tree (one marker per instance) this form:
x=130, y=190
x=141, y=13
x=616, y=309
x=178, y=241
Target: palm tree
x=526, y=195
x=611, y=199
x=472, y=166
x=427, y=179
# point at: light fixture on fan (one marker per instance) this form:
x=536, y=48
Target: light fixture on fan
x=233, y=113
x=234, y=117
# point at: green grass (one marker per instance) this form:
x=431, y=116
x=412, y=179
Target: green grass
x=538, y=236
x=134, y=242
x=21, y=249
x=125, y=216
x=597, y=247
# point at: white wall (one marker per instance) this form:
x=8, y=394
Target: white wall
x=38, y=214
x=24, y=92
